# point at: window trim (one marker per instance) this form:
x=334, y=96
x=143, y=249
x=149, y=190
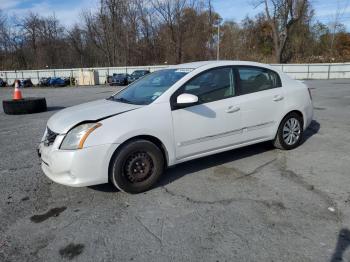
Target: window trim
x=179, y=91
x=238, y=77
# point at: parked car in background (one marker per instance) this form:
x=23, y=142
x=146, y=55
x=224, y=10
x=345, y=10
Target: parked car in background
x=171, y=116
x=119, y=79
x=2, y=83
x=69, y=81
x=55, y=81
x=44, y=81
x=108, y=80
x=137, y=74
x=24, y=83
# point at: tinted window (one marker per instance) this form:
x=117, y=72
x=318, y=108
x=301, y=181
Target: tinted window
x=212, y=85
x=257, y=79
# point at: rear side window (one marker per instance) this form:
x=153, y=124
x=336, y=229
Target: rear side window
x=213, y=85
x=254, y=79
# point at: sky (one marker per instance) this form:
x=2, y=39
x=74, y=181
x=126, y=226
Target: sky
x=68, y=11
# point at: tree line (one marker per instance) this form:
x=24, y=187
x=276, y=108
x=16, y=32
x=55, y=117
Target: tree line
x=147, y=32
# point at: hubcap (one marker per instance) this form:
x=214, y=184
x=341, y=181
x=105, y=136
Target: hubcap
x=138, y=167
x=291, y=131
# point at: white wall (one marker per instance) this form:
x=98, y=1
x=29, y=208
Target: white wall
x=297, y=71
x=102, y=73
x=316, y=71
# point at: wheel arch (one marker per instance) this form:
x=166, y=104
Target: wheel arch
x=297, y=112
x=149, y=138
x=289, y=112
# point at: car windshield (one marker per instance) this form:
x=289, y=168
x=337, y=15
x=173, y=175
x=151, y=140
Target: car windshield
x=150, y=87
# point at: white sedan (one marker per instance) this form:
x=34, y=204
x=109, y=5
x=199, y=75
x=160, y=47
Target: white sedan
x=171, y=116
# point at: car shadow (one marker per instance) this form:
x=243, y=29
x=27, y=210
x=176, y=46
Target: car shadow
x=343, y=244
x=196, y=165
x=180, y=170
x=107, y=188
x=313, y=129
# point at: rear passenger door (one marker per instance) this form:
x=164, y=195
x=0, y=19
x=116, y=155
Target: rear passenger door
x=261, y=101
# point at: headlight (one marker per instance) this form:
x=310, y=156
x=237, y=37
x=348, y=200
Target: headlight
x=76, y=137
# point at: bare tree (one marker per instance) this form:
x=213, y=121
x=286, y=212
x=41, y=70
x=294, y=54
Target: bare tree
x=106, y=29
x=282, y=15
x=3, y=40
x=335, y=24
x=171, y=12
x=140, y=32
x=148, y=33
x=75, y=38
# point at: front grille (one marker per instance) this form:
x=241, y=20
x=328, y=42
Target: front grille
x=50, y=137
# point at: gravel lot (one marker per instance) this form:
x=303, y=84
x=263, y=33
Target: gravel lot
x=250, y=204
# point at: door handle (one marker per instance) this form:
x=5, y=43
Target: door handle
x=232, y=109
x=278, y=98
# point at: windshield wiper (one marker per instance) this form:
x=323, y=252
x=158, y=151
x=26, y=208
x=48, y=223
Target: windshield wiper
x=121, y=99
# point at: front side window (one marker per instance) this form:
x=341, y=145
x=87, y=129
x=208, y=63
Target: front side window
x=213, y=85
x=257, y=79
x=150, y=87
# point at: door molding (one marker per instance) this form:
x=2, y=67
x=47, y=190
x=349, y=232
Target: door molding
x=224, y=134
x=223, y=147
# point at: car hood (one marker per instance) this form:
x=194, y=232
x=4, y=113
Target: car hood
x=64, y=120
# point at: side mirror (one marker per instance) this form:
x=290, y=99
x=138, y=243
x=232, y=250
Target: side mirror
x=186, y=99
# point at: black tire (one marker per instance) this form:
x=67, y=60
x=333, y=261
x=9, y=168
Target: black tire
x=24, y=106
x=280, y=142
x=136, y=166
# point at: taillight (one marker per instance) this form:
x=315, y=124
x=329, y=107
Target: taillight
x=309, y=92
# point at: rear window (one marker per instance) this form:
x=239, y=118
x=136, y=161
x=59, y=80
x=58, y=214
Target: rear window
x=255, y=79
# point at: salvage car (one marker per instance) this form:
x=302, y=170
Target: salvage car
x=137, y=74
x=54, y=81
x=57, y=82
x=171, y=116
x=119, y=79
x=44, y=81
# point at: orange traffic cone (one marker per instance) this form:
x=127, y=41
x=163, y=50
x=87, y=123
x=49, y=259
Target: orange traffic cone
x=17, y=94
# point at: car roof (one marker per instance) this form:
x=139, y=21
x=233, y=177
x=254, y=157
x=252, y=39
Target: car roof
x=195, y=65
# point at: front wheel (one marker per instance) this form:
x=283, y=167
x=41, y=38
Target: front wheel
x=290, y=132
x=137, y=166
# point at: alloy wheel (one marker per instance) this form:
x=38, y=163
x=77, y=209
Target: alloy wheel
x=291, y=131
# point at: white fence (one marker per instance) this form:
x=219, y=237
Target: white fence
x=316, y=71
x=297, y=71
x=102, y=73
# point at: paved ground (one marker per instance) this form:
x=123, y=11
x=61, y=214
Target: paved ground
x=251, y=204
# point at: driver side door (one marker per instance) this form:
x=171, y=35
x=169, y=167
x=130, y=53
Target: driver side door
x=213, y=123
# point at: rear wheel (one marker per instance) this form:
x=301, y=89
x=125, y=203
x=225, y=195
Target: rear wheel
x=290, y=132
x=137, y=166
